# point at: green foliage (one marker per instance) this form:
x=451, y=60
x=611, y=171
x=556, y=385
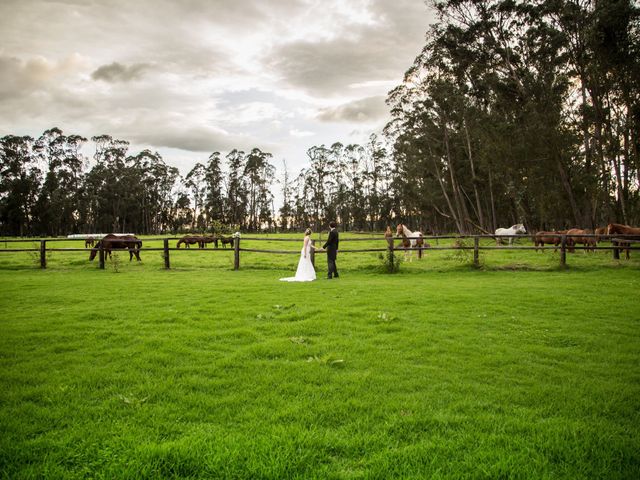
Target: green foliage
x=556, y=76
x=390, y=262
x=115, y=262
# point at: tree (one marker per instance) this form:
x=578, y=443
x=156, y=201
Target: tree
x=195, y=182
x=19, y=183
x=236, y=201
x=214, y=200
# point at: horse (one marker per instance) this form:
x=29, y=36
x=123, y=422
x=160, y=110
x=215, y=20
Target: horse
x=89, y=242
x=600, y=231
x=620, y=229
x=551, y=238
x=513, y=230
x=403, y=231
x=226, y=240
x=115, y=242
x=205, y=240
x=189, y=240
x=388, y=234
x=575, y=238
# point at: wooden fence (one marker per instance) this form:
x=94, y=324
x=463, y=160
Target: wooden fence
x=616, y=247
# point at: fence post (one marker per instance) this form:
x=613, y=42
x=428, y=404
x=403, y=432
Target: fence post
x=236, y=253
x=391, y=252
x=312, y=253
x=43, y=254
x=101, y=257
x=167, y=265
x=476, y=251
x=563, y=251
x=616, y=251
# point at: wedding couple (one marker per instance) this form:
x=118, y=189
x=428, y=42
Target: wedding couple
x=305, y=271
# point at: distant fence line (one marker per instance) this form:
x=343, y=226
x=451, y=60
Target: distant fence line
x=619, y=242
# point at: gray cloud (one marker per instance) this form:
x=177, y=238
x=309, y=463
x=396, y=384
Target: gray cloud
x=191, y=138
x=364, y=110
x=117, y=72
x=366, y=52
x=202, y=75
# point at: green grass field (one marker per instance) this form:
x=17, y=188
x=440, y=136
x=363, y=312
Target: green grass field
x=518, y=369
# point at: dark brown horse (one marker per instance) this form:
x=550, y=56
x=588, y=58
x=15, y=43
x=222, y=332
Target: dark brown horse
x=189, y=240
x=117, y=242
x=620, y=229
x=226, y=240
x=205, y=240
x=89, y=242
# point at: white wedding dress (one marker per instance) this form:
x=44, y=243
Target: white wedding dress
x=305, y=271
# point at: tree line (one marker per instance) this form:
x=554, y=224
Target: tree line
x=513, y=112
x=522, y=112
x=49, y=187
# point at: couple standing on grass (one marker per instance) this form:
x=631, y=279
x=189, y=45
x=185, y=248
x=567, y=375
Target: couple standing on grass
x=305, y=271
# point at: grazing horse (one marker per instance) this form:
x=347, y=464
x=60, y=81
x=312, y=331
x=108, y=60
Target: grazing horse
x=205, y=240
x=403, y=231
x=588, y=242
x=226, y=240
x=600, y=231
x=189, y=240
x=116, y=242
x=89, y=242
x=619, y=229
x=513, y=230
x=551, y=238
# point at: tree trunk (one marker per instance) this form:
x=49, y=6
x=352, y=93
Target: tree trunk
x=454, y=186
x=446, y=196
x=567, y=187
x=474, y=179
x=493, y=203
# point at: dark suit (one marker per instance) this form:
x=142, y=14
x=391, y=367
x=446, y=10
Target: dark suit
x=331, y=246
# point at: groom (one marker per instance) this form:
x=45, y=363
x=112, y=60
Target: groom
x=332, y=251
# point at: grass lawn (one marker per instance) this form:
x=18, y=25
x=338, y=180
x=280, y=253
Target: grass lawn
x=515, y=370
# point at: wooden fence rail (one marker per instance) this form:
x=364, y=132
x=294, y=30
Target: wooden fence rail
x=618, y=243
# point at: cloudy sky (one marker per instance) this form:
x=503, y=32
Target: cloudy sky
x=189, y=77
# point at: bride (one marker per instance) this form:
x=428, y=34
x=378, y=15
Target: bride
x=305, y=271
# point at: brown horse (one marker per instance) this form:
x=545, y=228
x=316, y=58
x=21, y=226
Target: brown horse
x=226, y=240
x=575, y=238
x=89, y=242
x=551, y=238
x=388, y=234
x=620, y=229
x=205, y=240
x=117, y=242
x=189, y=240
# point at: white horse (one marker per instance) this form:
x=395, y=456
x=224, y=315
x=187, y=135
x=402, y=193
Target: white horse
x=513, y=230
x=403, y=231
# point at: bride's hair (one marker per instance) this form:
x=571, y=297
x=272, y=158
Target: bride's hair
x=308, y=231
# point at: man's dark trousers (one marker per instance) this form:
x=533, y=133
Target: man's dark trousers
x=331, y=246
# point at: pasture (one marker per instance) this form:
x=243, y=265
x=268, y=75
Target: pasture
x=518, y=369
